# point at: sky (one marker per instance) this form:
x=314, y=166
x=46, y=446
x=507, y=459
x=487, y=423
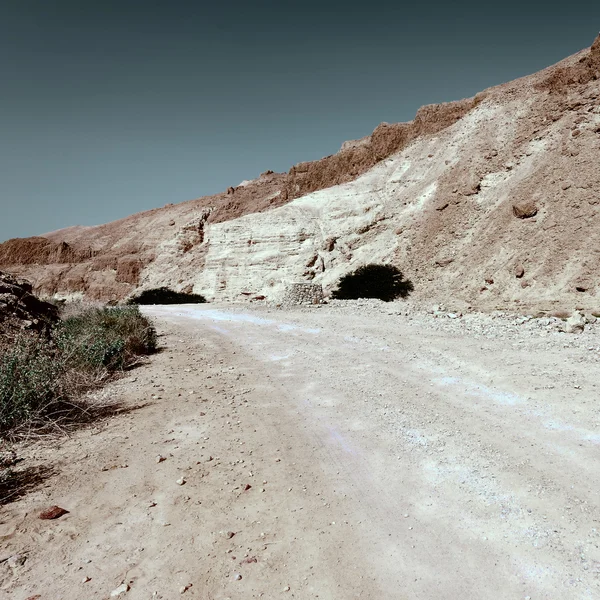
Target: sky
x=108, y=108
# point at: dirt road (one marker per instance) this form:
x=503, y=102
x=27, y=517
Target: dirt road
x=327, y=453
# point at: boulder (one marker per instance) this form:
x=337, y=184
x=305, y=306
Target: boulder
x=575, y=323
x=524, y=210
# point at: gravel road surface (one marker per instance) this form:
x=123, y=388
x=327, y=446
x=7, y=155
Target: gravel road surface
x=335, y=452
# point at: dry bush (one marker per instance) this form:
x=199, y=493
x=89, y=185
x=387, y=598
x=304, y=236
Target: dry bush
x=111, y=338
x=385, y=282
x=30, y=376
x=74, y=308
x=165, y=295
x=42, y=379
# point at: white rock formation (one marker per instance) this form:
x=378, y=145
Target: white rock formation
x=325, y=234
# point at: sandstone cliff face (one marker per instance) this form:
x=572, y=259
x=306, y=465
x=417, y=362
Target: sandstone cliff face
x=443, y=211
x=491, y=202
x=108, y=262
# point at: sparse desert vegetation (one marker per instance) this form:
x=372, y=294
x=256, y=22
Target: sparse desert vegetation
x=164, y=295
x=42, y=378
x=385, y=282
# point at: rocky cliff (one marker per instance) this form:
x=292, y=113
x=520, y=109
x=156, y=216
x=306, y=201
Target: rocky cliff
x=490, y=202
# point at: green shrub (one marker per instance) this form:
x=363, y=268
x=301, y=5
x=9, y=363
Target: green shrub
x=164, y=295
x=385, y=282
x=30, y=374
x=106, y=337
x=39, y=375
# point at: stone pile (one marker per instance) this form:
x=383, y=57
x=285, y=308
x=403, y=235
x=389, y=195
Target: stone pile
x=303, y=293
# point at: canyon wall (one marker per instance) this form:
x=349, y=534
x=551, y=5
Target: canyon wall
x=490, y=202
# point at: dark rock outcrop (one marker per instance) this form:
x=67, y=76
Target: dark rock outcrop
x=20, y=310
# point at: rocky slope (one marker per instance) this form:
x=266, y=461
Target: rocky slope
x=490, y=202
x=21, y=311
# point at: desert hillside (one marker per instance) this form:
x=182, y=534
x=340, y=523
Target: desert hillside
x=489, y=202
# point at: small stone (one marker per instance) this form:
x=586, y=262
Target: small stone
x=247, y=487
x=160, y=459
x=86, y=579
x=286, y=588
x=237, y=576
x=180, y=481
x=122, y=589
x=230, y=534
x=444, y=262
x=17, y=560
x=54, y=512
x=519, y=271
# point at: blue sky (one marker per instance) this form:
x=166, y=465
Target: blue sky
x=109, y=108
